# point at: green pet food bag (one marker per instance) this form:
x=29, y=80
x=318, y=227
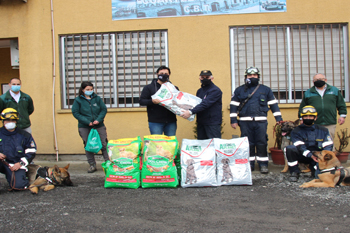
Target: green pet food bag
x=158, y=165
x=123, y=168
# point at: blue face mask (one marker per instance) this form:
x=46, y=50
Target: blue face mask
x=15, y=88
x=88, y=93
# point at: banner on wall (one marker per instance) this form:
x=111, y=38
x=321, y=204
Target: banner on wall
x=141, y=9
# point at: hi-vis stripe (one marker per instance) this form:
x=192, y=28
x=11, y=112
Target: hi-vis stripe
x=234, y=103
x=271, y=102
x=327, y=143
x=233, y=114
x=251, y=118
x=30, y=150
x=306, y=152
x=292, y=163
x=262, y=158
x=252, y=158
x=277, y=114
x=298, y=143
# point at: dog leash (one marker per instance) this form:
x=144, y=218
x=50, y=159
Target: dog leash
x=13, y=178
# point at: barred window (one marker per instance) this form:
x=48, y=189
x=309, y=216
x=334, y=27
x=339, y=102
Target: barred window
x=288, y=57
x=118, y=64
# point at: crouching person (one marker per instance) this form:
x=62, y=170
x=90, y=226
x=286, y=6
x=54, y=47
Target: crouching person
x=307, y=138
x=17, y=150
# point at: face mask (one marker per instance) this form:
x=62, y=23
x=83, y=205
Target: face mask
x=163, y=77
x=205, y=81
x=15, y=88
x=252, y=82
x=308, y=121
x=319, y=83
x=88, y=93
x=10, y=126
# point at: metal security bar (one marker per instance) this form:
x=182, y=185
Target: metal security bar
x=288, y=56
x=118, y=64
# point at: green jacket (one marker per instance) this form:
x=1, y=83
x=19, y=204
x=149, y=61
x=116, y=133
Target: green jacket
x=326, y=106
x=24, y=107
x=86, y=111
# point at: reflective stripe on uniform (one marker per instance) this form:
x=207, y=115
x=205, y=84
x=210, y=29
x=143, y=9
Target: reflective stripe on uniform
x=262, y=118
x=291, y=164
x=327, y=143
x=277, y=114
x=262, y=158
x=305, y=153
x=235, y=103
x=271, y=102
x=233, y=114
x=251, y=158
x=30, y=150
x=298, y=143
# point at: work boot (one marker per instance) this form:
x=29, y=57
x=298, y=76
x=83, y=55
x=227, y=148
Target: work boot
x=92, y=168
x=294, y=177
x=264, y=170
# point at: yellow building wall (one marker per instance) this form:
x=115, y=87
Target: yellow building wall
x=195, y=43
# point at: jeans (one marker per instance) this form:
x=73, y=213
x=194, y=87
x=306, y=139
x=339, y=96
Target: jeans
x=169, y=129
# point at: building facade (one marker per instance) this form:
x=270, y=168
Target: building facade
x=54, y=45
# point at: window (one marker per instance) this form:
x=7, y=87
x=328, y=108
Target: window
x=118, y=64
x=289, y=56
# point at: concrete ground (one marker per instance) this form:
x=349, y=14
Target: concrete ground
x=271, y=204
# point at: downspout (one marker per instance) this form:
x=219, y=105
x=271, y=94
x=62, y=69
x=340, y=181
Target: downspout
x=53, y=80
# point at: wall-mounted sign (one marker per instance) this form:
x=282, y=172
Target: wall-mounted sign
x=140, y=9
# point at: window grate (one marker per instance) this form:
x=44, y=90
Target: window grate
x=288, y=56
x=119, y=64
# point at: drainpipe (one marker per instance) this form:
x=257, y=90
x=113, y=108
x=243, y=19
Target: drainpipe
x=53, y=80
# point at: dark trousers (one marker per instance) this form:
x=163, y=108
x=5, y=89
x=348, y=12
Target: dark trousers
x=294, y=157
x=102, y=132
x=19, y=181
x=256, y=133
x=208, y=131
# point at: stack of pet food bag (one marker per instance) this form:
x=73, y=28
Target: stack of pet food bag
x=156, y=168
x=202, y=163
x=215, y=162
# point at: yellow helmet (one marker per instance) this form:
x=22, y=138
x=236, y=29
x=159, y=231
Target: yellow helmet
x=9, y=114
x=308, y=111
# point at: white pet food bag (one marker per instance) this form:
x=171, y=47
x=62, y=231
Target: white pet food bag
x=198, y=163
x=176, y=101
x=232, y=156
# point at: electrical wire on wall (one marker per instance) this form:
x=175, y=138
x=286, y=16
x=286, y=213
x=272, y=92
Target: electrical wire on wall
x=53, y=80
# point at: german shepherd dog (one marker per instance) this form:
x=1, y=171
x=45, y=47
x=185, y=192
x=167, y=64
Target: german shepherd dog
x=331, y=171
x=286, y=129
x=46, y=178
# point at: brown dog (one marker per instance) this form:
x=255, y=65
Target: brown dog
x=47, y=178
x=286, y=128
x=332, y=173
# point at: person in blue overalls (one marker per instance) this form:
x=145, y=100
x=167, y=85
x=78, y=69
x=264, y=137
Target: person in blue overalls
x=17, y=150
x=248, y=110
x=306, y=138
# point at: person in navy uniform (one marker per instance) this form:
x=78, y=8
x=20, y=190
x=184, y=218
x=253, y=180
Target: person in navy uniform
x=17, y=150
x=248, y=110
x=306, y=138
x=209, y=111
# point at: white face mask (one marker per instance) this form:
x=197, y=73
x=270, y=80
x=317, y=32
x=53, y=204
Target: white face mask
x=10, y=126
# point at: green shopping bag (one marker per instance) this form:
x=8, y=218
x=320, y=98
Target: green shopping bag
x=93, y=143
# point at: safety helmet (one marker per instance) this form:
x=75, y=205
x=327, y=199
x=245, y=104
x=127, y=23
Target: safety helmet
x=9, y=114
x=252, y=70
x=308, y=111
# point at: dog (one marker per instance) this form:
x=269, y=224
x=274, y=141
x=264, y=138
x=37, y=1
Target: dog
x=227, y=174
x=190, y=173
x=46, y=178
x=286, y=128
x=331, y=171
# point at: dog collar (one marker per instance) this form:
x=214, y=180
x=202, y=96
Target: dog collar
x=43, y=173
